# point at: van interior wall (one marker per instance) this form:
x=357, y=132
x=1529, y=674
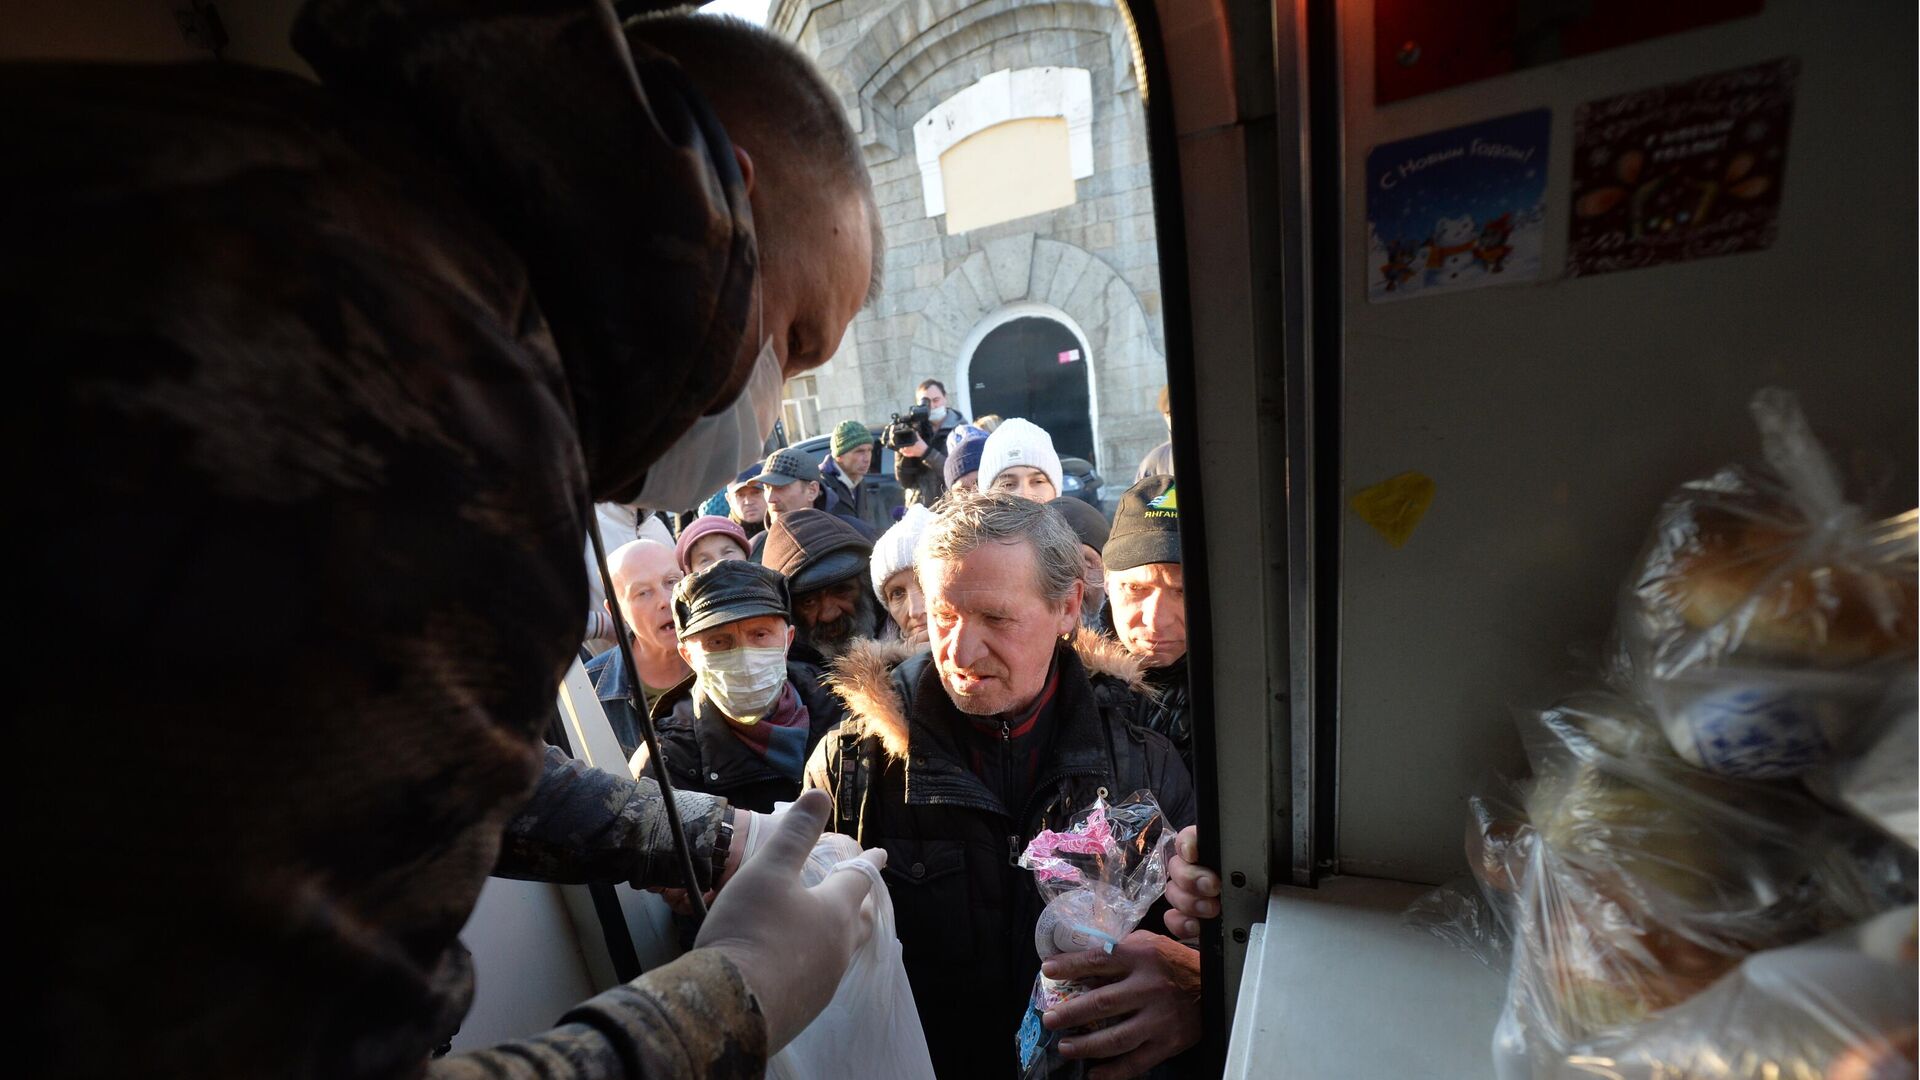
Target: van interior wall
x=1554, y=417
x=148, y=31
x=528, y=965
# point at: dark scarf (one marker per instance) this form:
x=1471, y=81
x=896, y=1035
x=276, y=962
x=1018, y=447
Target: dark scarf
x=780, y=737
x=1172, y=676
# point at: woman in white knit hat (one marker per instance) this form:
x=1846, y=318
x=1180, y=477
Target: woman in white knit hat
x=893, y=579
x=1019, y=459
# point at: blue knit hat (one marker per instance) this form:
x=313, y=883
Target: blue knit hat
x=961, y=433
x=964, y=459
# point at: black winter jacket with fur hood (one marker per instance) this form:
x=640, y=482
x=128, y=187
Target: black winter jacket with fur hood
x=965, y=912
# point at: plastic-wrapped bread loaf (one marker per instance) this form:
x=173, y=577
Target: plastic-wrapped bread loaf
x=1837, y=1008
x=1766, y=613
x=1637, y=882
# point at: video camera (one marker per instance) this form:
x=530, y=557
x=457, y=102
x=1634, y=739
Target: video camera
x=903, y=430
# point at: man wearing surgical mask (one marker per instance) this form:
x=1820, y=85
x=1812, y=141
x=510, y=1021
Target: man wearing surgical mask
x=372, y=344
x=742, y=725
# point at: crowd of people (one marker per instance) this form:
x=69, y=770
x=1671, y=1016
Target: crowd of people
x=972, y=676
x=946, y=452
x=783, y=644
x=358, y=357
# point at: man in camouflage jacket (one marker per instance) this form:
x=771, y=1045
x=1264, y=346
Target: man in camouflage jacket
x=317, y=384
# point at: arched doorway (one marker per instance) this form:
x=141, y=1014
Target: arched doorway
x=1036, y=366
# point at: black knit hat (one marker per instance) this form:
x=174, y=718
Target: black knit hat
x=728, y=591
x=1146, y=527
x=1089, y=524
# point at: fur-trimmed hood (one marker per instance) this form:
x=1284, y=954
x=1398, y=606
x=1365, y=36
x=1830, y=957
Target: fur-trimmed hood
x=863, y=678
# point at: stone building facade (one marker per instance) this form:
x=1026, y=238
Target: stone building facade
x=1020, y=123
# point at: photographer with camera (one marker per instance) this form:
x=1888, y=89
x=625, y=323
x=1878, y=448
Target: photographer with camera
x=919, y=439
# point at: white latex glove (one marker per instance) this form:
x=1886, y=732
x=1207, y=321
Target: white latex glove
x=758, y=827
x=791, y=943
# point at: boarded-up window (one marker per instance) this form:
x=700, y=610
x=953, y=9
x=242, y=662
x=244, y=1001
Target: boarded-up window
x=1007, y=171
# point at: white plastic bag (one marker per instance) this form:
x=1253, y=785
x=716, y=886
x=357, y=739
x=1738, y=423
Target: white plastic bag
x=871, y=1027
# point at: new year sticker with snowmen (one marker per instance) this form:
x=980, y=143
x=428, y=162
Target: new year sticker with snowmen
x=1458, y=209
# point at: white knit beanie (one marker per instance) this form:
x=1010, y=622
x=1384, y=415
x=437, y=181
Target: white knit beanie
x=893, y=552
x=1019, y=442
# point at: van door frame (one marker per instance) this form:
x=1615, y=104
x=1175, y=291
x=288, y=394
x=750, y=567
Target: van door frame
x=1228, y=152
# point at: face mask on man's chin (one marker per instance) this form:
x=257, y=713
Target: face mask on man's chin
x=717, y=447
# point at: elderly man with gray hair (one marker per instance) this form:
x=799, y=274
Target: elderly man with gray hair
x=955, y=754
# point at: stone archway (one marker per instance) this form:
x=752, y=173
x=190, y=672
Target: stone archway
x=914, y=38
x=1031, y=360
x=1124, y=364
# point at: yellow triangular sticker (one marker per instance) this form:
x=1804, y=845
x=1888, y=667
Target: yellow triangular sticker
x=1393, y=507
x=1168, y=500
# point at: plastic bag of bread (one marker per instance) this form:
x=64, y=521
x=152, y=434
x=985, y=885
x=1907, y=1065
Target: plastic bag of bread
x=1634, y=881
x=1766, y=611
x=1475, y=914
x=1567, y=744
x=1459, y=914
x=1837, y=1008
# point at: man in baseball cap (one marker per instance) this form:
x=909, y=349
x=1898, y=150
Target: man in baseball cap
x=791, y=483
x=747, y=501
x=742, y=724
x=1147, y=603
